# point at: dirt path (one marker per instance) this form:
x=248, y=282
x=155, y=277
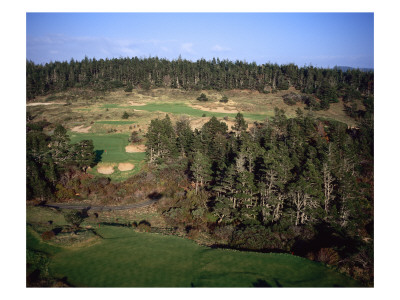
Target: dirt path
x=219, y=109
x=81, y=129
x=43, y=103
x=101, y=208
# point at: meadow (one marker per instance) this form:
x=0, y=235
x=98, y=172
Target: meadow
x=124, y=257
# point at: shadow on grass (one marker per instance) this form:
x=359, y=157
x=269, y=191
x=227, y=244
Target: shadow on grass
x=261, y=283
x=99, y=154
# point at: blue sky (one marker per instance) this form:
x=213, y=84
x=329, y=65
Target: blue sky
x=319, y=39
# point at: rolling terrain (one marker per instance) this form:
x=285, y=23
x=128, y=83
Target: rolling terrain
x=100, y=118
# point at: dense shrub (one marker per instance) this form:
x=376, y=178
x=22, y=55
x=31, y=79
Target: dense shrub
x=224, y=99
x=144, y=226
x=48, y=235
x=202, y=97
x=63, y=193
x=292, y=98
x=128, y=88
x=327, y=256
x=223, y=234
x=254, y=238
x=75, y=217
x=135, y=137
x=310, y=102
x=125, y=115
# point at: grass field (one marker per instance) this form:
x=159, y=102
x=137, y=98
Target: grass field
x=126, y=258
x=183, y=109
x=111, y=148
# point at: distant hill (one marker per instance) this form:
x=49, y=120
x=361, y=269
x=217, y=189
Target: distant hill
x=346, y=68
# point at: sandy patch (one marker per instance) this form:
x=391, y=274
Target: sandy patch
x=105, y=170
x=198, y=123
x=43, y=103
x=81, y=129
x=136, y=104
x=125, y=166
x=219, y=109
x=135, y=148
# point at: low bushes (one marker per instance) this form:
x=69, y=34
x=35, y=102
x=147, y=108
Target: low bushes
x=144, y=226
x=48, y=235
x=202, y=97
x=325, y=255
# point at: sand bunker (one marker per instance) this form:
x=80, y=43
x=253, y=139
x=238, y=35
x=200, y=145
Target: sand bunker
x=81, y=129
x=42, y=103
x=105, y=170
x=219, y=109
x=125, y=166
x=135, y=148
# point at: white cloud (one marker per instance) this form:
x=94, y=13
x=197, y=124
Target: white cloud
x=187, y=47
x=129, y=51
x=219, y=48
x=62, y=47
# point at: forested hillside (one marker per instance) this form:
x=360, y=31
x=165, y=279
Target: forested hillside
x=297, y=184
x=216, y=74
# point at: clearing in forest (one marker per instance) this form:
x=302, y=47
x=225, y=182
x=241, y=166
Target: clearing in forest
x=110, y=151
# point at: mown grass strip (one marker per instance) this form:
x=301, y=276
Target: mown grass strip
x=183, y=109
x=125, y=258
x=110, y=147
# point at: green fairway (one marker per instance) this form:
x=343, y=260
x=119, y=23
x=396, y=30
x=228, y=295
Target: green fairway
x=125, y=258
x=110, y=148
x=113, y=145
x=183, y=109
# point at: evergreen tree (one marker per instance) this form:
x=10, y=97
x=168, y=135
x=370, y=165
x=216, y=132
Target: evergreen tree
x=200, y=169
x=84, y=155
x=59, y=147
x=161, y=140
x=184, y=137
x=240, y=123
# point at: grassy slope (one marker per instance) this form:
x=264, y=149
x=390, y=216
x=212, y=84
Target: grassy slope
x=116, y=122
x=106, y=114
x=128, y=258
